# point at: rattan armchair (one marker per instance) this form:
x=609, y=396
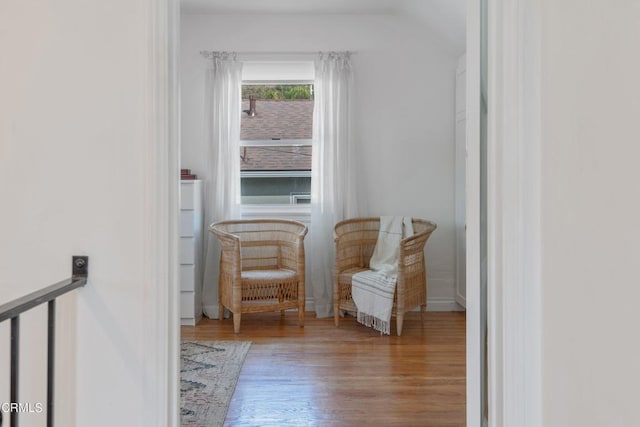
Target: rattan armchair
x=355, y=240
x=262, y=267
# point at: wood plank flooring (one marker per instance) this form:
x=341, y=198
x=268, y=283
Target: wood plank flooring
x=321, y=375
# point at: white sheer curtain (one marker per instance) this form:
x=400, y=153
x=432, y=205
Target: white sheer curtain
x=333, y=195
x=222, y=194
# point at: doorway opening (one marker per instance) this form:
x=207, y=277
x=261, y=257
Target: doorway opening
x=189, y=136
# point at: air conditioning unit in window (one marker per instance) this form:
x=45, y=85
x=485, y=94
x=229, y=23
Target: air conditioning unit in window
x=300, y=198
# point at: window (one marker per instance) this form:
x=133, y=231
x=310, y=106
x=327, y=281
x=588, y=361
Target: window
x=275, y=146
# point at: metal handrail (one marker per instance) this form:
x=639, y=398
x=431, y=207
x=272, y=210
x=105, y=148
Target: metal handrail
x=13, y=309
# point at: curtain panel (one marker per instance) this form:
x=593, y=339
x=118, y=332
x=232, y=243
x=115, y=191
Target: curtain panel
x=333, y=192
x=222, y=192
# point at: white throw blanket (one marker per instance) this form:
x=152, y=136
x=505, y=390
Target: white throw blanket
x=373, y=290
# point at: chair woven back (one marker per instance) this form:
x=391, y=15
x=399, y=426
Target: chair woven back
x=263, y=243
x=355, y=240
x=262, y=266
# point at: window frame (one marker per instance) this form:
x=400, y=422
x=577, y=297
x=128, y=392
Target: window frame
x=301, y=212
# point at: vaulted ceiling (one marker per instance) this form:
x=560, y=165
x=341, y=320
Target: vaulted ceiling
x=447, y=17
x=291, y=6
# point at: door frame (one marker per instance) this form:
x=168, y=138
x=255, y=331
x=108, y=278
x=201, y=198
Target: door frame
x=513, y=156
x=472, y=141
x=514, y=317
x=162, y=377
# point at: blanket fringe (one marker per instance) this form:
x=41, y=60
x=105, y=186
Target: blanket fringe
x=374, y=322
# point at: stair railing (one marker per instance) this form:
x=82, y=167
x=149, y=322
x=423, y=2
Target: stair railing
x=12, y=310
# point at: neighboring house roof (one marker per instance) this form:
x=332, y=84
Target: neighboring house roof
x=277, y=119
x=275, y=158
x=284, y=119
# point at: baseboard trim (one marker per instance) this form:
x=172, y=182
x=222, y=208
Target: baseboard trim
x=462, y=300
x=190, y=321
x=436, y=304
x=443, y=304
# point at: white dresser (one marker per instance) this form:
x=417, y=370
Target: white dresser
x=190, y=251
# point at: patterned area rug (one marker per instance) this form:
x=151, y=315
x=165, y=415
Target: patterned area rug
x=209, y=373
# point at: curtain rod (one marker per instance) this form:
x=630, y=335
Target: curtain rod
x=209, y=53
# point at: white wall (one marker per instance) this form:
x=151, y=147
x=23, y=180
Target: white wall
x=404, y=112
x=73, y=148
x=590, y=212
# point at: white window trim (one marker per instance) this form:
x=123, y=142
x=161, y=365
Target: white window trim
x=275, y=142
x=277, y=82
x=299, y=212
x=276, y=174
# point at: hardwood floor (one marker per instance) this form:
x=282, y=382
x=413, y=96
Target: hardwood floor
x=321, y=375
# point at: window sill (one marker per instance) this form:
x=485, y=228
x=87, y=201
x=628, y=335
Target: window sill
x=300, y=213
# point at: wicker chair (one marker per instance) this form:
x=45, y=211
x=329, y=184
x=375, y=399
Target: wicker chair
x=262, y=266
x=355, y=240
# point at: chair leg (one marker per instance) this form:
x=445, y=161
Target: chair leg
x=281, y=300
x=336, y=304
x=399, y=320
x=236, y=322
x=301, y=317
x=423, y=309
x=220, y=311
